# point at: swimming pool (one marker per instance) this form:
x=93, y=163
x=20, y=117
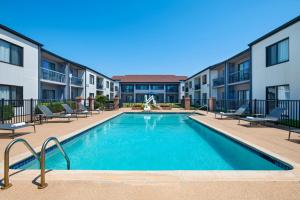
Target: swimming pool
x=155, y=142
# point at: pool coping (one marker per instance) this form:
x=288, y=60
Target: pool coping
x=164, y=175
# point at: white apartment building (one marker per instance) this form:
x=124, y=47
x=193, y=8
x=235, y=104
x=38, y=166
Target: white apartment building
x=276, y=63
x=99, y=84
x=198, y=87
x=29, y=71
x=19, y=64
x=228, y=80
x=60, y=78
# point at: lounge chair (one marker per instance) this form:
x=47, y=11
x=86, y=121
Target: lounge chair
x=48, y=114
x=238, y=113
x=14, y=127
x=273, y=117
x=293, y=131
x=82, y=108
x=69, y=110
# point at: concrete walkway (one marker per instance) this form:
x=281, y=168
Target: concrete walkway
x=161, y=185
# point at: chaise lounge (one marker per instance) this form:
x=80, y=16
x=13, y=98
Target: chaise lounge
x=273, y=117
x=14, y=127
x=48, y=114
x=82, y=108
x=238, y=113
x=69, y=110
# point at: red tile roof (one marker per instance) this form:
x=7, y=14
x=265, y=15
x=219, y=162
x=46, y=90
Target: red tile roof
x=149, y=78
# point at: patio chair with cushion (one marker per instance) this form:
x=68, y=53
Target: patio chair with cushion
x=14, y=127
x=273, y=117
x=48, y=114
x=238, y=113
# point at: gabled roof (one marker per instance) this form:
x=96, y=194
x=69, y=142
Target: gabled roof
x=289, y=23
x=149, y=78
x=19, y=35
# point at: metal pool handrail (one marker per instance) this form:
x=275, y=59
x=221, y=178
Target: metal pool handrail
x=7, y=184
x=43, y=183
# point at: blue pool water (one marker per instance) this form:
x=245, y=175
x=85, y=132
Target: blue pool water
x=156, y=142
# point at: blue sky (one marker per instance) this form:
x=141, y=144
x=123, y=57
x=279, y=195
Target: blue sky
x=119, y=37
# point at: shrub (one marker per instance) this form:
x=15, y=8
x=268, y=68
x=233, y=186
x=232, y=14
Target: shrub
x=8, y=112
x=72, y=104
x=100, y=101
x=137, y=106
x=55, y=107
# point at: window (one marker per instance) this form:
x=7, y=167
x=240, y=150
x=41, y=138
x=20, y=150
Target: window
x=182, y=89
x=48, y=94
x=243, y=95
x=48, y=65
x=281, y=92
x=190, y=84
x=142, y=87
x=10, y=53
x=172, y=88
x=92, y=79
x=204, y=79
x=275, y=93
x=127, y=88
x=107, y=84
x=157, y=87
x=277, y=53
x=92, y=95
x=9, y=92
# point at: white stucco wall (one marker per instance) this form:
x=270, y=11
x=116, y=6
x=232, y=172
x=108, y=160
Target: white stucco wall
x=280, y=74
x=205, y=87
x=26, y=76
x=90, y=88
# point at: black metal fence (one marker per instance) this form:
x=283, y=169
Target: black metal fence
x=26, y=110
x=290, y=117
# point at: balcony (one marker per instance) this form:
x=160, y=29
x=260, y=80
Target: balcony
x=218, y=81
x=99, y=86
x=76, y=81
x=52, y=75
x=197, y=86
x=127, y=90
x=239, y=76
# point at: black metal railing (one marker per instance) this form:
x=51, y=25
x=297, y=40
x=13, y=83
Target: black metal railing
x=218, y=81
x=99, y=86
x=290, y=117
x=239, y=76
x=197, y=86
x=26, y=110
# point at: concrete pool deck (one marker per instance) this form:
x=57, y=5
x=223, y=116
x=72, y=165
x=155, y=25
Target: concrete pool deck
x=161, y=184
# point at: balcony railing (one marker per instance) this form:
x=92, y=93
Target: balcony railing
x=127, y=90
x=197, y=86
x=218, y=81
x=239, y=76
x=52, y=75
x=76, y=81
x=99, y=86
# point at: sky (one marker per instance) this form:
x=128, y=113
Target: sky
x=118, y=37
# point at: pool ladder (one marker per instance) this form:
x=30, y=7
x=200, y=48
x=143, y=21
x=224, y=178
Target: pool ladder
x=41, y=157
